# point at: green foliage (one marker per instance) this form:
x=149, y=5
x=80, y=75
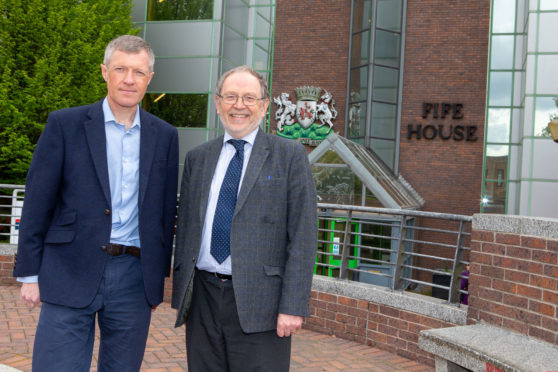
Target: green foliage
x=169, y=10
x=180, y=110
x=50, y=52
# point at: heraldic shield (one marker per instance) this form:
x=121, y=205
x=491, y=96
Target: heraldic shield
x=306, y=113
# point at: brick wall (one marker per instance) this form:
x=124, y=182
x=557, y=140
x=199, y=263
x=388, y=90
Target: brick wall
x=514, y=280
x=311, y=48
x=385, y=327
x=446, y=56
x=6, y=269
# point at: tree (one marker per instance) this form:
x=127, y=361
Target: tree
x=50, y=52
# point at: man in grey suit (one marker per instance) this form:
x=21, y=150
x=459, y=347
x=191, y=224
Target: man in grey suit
x=246, y=238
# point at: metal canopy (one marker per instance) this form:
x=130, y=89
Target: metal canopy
x=341, y=166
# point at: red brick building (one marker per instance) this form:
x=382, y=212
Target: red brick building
x=427, y=123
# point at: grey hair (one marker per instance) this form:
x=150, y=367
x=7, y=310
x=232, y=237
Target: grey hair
x=129, y=44
x=248, y=69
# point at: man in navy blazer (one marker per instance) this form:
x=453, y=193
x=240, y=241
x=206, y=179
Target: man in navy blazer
x=97, y=223
x=243, y=296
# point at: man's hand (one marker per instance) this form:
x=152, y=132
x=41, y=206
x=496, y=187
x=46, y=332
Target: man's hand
x=288, y=324
x=30, y=294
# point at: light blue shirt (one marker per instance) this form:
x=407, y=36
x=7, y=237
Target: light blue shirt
x=206, y=261
x=123, y=149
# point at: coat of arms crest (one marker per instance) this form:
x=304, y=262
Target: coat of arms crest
x=313, y=104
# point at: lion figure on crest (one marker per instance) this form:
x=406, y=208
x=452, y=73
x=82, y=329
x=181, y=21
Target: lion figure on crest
x=286, y=113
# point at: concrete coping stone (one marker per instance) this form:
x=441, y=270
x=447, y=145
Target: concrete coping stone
x=8, y=249
x=408, y=301
x=522, y=225
x=473, y=346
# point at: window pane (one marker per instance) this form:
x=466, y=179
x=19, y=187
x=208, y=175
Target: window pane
x=389, y=15
x=503, y=16
x=359, y=84
x=546, y=109
x=548, y=5
x=500, y=89
x=362, y=15
x=385, y=150
x=179, y=10
x=547, y=78
x=357, y=120
x=385, y=84
x=180, y=110
x=360, y=53
x=498, y=125
x=334, y=185
x=494, y=198
x=383, y=120
x=502, y=52
x=386, y=48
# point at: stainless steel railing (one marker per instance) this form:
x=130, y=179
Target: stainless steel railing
x=401, y=249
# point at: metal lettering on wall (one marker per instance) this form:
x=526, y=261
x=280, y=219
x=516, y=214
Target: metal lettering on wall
x=442, y=111
x=300, y=121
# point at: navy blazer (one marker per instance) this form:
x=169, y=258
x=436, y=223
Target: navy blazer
x=66, y=218
x=273, y=232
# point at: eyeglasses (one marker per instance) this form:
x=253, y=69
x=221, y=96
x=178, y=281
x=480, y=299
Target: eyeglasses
x=231, y=99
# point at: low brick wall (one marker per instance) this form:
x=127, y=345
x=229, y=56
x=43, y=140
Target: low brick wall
x=7, y=252
x=514, y=274
x=377, y=316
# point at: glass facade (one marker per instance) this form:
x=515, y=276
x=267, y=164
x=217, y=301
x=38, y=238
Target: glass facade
x=374, y=79
x=519, y=171
x=194, y=42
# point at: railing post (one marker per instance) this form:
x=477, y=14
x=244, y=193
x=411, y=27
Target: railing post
x=343, y=272
x=398, y=270
x=455, y=283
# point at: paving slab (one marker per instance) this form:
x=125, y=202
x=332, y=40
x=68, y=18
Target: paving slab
x=166, y=349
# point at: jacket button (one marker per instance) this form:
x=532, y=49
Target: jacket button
x=107, y=211
x=194, y=259
x=103, y=247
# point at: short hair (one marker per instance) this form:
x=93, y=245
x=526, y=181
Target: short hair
x=129, y=44
x=244, y=68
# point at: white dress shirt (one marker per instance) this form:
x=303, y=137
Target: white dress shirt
x=206, y=261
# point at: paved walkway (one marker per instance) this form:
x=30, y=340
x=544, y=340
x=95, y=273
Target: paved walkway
x=166, y=350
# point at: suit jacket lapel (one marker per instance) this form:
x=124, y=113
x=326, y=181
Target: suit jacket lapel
x=259, y=154
x=210, y=163
x=97, y=142
x=148, y=140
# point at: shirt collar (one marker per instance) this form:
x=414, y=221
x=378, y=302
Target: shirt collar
x=109, y=116
x=250, y=137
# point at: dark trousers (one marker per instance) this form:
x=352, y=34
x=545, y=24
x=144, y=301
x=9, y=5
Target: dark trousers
x=215, y=341
x=65, y=336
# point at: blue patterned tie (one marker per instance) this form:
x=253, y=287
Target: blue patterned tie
x=221, y=233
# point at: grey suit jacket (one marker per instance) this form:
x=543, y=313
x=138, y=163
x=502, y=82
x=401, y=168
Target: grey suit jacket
x=273, y=233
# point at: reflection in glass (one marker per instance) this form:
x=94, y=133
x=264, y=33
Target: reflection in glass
x=359, y=84
x=385, y=84
x=169, y=10
x=357, y=120
x=360, y=53
x=498, y=129
x=389, y=15
x=494, y=197
x=500, y=89
x=362, y=12
x=386, y=48
x=503, y=16
x=497, y=150
x=180, y=110
x=502, y=52
x=546, y=109
x=334, y=185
